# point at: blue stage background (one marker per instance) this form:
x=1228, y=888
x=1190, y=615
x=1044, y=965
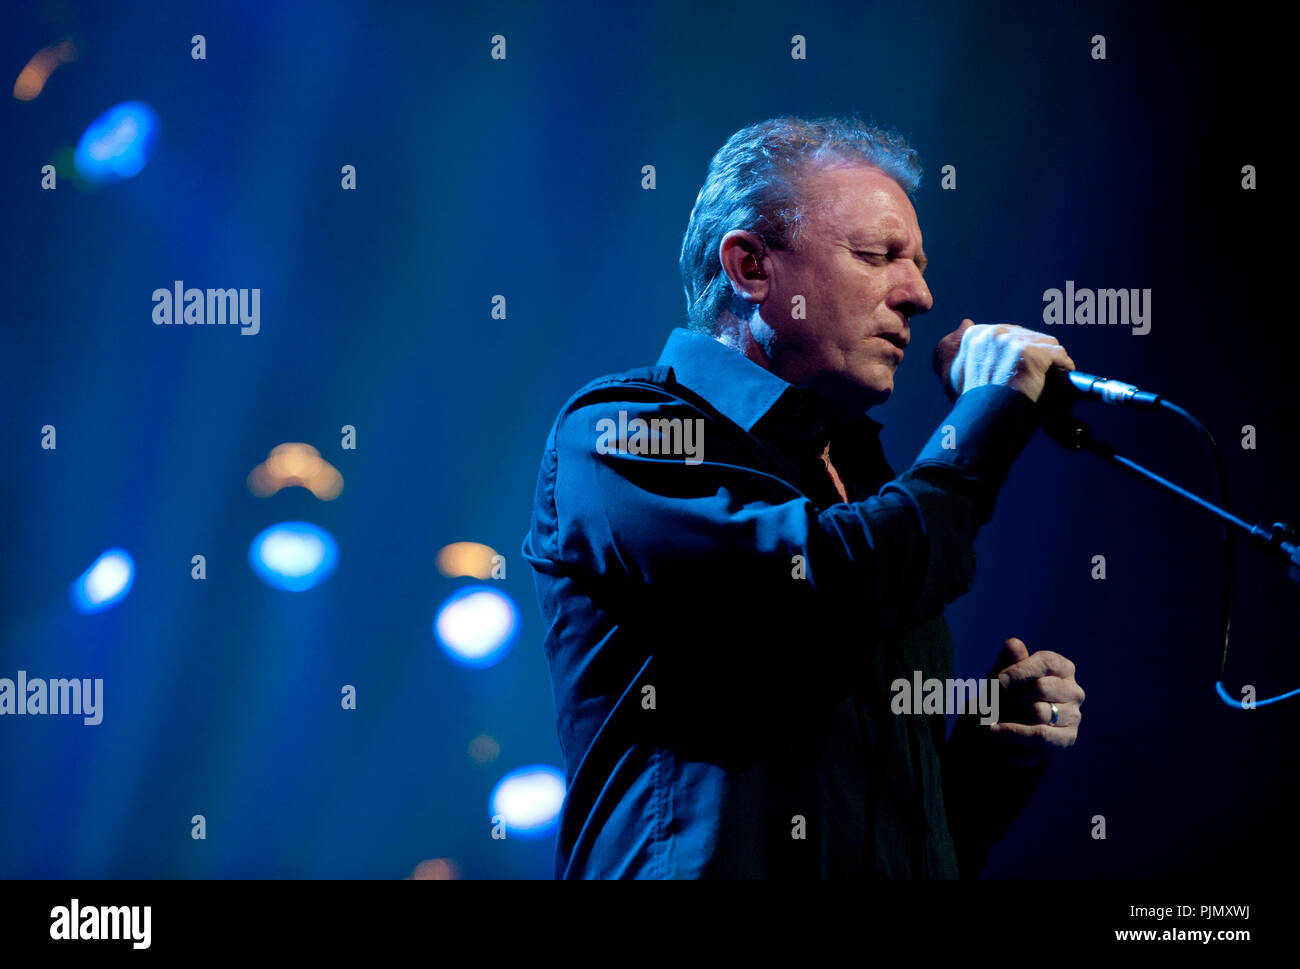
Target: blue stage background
x=522, y=177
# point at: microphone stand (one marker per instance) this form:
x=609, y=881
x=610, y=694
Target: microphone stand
x=1073, y=434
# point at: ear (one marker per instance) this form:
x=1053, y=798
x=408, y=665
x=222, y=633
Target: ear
x=744, y=260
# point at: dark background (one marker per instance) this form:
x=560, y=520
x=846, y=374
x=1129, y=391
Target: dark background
x=522, y=177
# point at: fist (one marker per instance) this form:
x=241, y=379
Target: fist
x=1034, y=682
x=977, y=354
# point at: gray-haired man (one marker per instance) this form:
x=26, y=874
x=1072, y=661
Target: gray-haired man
x=724, y=633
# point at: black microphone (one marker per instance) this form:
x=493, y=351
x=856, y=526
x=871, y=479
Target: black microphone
x=1069, y=385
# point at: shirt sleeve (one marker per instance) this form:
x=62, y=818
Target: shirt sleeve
x=680, y=527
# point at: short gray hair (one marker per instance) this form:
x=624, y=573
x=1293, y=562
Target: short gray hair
x=754, y=184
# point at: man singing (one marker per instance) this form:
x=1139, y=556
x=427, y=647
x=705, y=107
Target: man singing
x=732, y=576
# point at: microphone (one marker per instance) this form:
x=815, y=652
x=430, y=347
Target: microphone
x=1070, y=385
x=1063, y=387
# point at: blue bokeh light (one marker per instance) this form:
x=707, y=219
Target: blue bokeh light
x=118, y=144
x=293, y=555
x=528, y=800
x=476, y=626
x=105, y=583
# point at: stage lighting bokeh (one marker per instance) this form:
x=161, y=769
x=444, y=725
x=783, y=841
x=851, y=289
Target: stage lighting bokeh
x=295, y=465
x=476, y=626
x=293, y=555
x=118, y=144
x=466, y=559
x=105, y=583
x=528, y=800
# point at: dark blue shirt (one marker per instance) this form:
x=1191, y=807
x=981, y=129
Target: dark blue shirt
x=724, y=629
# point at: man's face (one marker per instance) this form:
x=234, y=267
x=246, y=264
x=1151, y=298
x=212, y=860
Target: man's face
x=858, y=269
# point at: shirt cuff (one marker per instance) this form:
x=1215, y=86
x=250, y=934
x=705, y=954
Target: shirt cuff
x=983, y=435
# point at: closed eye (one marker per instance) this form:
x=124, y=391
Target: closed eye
x=921, y=261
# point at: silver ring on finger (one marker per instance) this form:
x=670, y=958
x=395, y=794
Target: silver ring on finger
x=1056, y=716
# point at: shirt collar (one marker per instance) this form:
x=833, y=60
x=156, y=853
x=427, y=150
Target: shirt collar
x=739, y=388
x=746, y=393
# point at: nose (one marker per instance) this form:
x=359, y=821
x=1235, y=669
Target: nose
x=911, y=296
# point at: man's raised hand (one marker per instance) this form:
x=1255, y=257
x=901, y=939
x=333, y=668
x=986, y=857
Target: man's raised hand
x=976, y=354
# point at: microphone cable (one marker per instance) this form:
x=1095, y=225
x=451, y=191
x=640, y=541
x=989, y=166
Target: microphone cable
x=1229, y=560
